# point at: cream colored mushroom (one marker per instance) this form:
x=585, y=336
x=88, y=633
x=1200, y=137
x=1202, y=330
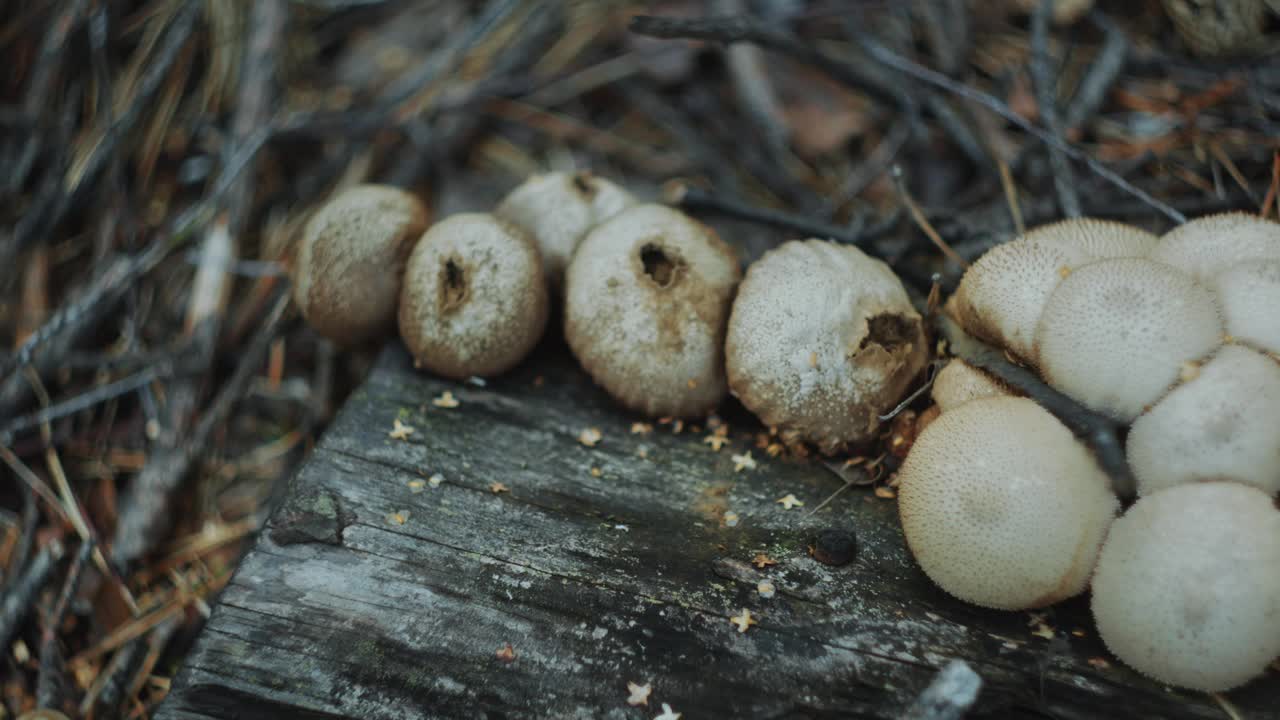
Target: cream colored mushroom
x=1206, y=246
x=1249, y=295
x=647, y=297
x=959, y=382
x=1002, y=295
x=346, y=275
x=474, y=300
x=558, y=209
x=1116, y=334
x=1224, y=423
x=1186, y=589
x=823, y=339
x=1002, y=506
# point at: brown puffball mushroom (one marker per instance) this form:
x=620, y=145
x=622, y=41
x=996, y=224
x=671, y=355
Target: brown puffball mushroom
x=1207, y=245
x=1002, y=506
x=1186, y=590
x=557, y=210
x=1002, y=295
x=823, y=339
x=1116, y=334
x=474, y=300
x=647, y=296
x=959, y=382
x=346, y=275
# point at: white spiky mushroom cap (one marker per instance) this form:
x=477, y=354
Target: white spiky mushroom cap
x=346, y=275
x=1249, y=295
x=1001, y=296
x=474, y=300
x=959, y=382
x=1186, y=589
x=823, y=339
x=1224, y=423
x=1206, y=246
x=647, y=298
x=558, y=209
x=1116, y=334
x=1002, y=506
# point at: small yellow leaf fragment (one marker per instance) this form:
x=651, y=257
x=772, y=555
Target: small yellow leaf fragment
x=497, y=488
x=435, y=480
x=716, y=441
x=668, y=713
x=1100, y=663
x=400, y=431
x=763, y=561
x=1043, y=631
x=417, y=485
x=506, y=653
x=596, y=472
x=731, y=519
x=639, y=693
x=640, y=428
x=398, y=517
x=590, y=436
x=885, y=492
x=446, y=400
x=743, y=462
x=766, y=589
x=743, y=621
x=789, y=501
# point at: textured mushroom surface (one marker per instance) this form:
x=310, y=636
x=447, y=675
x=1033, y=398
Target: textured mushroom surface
x=557, y=209
x=1222, y=424
x=647, y=297
x=346, y=277
x=1218, y=27
x=822, y=340
x=1116, y=333
x=1186, y=589
x=1002, y=295
x=959, y=382
x=1249, y=295
x=1002, y=506
x=474, y=300
x=1208, y=245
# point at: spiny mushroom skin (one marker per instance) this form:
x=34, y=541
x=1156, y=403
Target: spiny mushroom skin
x=1206, y=246
x=474, y=300
x=346, y=277
x=1186, y=590
x=1002, y=295
x=1002, y=507
x=959, y=382
x=1218, y=27
x=647, y=296
x=558, y=208
x=1249, y=295
x=823, y=339
x=1224, y=424
x=1116, y=333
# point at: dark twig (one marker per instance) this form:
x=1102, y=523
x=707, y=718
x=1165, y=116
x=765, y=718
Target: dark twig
x=19, y=598
x=949, y=696
x=1101, y=75
x=1099, y=431
x=30, y=518
x=49, y=685
x=85, y=400
x=1044, y=78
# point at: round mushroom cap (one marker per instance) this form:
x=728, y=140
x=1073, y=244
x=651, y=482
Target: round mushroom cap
x=1116, y=333
x=1224, y=424
x=647, y=296
x=1206, y=246
x=1186, y=590
x=1249, y=295
x=346, y=276
x=823, y=339
x=1002, y=506
x=557, y=210
x=1002, y=295
x=474, y=300
x=959, y=382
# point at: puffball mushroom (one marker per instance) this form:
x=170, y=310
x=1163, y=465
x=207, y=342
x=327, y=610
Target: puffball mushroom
x=1206, y=246
x=558, y=208
x=1186, y=589
x=1249, y=295
x=1003, y=293
x=1222, y=424
x=959, y=382
x=346, y=275
x=474, y=300
x=647, y=295
x=1002, y=506
x=1116, y=333
x=822, y=340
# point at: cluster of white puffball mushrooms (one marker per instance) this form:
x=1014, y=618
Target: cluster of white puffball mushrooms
x=1178, y=335
x=1001, y=505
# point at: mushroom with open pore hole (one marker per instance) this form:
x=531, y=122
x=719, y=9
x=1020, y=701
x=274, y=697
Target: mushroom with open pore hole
x=474, y=300
x=346, y=275
x=823, y=339
x=1186, y=590
x=1002, y=506
x=557, y=210
x=647, y=295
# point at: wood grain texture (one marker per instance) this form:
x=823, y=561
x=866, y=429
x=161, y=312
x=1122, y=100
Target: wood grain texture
x=343, y=611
